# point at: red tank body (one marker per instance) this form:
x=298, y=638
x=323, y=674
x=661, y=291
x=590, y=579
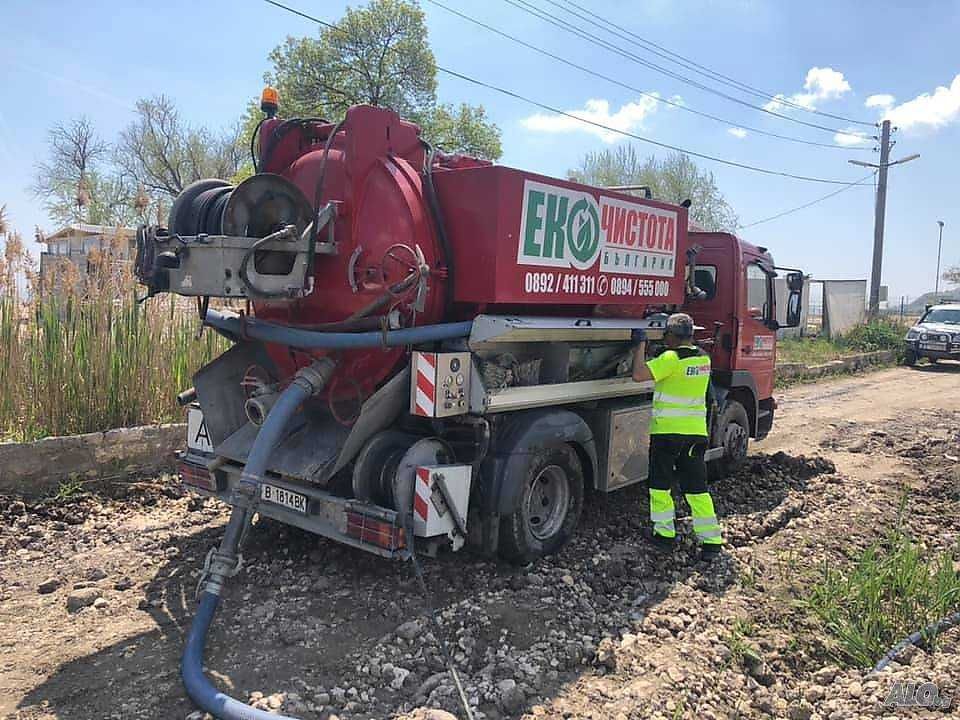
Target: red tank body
x=520, y=242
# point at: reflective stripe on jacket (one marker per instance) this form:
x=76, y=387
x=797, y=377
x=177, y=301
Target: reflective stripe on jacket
x=680, y=379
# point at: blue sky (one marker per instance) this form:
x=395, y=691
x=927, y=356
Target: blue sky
x=59, y=60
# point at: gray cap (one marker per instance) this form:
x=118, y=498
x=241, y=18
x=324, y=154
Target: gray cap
x=680, y=325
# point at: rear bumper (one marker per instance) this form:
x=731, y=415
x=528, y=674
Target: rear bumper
x=361, y=525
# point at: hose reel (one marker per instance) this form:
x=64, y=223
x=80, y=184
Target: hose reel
x=252, y=240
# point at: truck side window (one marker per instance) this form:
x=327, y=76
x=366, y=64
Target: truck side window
x=758, y=290
x=705, y=278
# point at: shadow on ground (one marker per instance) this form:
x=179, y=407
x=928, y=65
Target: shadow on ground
x=307, y=615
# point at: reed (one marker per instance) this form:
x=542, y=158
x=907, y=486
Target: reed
x=80, y=354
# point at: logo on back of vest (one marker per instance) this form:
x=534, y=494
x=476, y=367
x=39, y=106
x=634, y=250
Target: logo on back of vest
x=698, y=370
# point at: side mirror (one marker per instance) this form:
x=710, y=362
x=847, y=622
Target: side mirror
x=795, y=281
x=794, y=308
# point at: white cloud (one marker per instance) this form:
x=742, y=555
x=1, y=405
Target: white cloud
x=851, y=137
x=883, y=100
x=820, y=84
x=628, y=118
x=928, y=110
x=738, y=133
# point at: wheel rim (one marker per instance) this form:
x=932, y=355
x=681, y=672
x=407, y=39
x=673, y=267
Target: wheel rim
x=546, y=502
x=735, y=441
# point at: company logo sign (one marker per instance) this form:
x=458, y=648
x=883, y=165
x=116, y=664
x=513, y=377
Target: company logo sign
x=565, y=228
x=558, y=227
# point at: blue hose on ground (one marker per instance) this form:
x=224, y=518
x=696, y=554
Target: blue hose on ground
x=222, y=563
x=234, y=327
x=916, y=638
x=205, y=695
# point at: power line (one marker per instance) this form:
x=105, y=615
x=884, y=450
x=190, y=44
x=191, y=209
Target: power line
x=809, y=204
x=696, y=67
x=653, y=96
x=541, y=14
x=641, y=138
x=549, y=108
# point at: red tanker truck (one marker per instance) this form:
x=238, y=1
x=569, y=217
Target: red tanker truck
x=431, y=347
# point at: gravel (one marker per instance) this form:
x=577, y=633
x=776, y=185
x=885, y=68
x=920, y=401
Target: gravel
x=604, y=629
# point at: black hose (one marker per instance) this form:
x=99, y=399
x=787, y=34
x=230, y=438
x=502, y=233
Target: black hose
x=432, y=612
x=282, y=129
x=253, y=138
x=433, y=203
x=918, y=637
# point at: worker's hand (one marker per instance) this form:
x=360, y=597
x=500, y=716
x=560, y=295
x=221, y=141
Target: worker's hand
x=638, y=337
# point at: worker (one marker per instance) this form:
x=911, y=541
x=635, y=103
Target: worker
x=678, y=434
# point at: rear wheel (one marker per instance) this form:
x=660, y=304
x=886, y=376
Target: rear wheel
x=550, y=504
x=733, y=435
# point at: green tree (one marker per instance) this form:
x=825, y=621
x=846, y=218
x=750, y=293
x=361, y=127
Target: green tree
x=379, y=55
x=673, y=179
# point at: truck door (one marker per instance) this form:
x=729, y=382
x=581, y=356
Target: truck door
x=756, y=342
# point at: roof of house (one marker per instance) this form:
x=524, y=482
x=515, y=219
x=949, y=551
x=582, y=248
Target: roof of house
x=84, y=229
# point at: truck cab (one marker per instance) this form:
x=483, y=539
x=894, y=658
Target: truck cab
x=738, y=312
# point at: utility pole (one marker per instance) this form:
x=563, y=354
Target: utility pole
x=936, y=289
x=880, y=210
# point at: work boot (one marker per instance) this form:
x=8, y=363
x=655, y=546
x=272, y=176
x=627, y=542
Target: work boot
x=661, y=543
x=710, y=552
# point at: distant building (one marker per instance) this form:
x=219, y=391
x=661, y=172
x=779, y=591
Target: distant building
x=79, y=244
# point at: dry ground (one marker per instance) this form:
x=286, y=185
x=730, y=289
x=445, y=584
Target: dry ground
x=603, y=630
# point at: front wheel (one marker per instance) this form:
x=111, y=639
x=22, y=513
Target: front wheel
x=910, y=358
x=551, y=501
x=733, y=435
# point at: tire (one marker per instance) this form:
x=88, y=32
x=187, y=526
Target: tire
x=910, y=358
x=733, y=434
x=550, y=505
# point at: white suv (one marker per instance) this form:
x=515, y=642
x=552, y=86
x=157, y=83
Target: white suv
x=936, y=335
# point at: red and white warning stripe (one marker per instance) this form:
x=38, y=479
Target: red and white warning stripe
x=421, y=493
x=426, y=369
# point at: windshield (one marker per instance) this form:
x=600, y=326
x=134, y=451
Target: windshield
x=951, y=316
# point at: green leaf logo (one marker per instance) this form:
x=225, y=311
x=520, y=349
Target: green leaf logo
x=583, y=233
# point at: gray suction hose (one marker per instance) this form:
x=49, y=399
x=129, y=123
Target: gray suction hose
x=223, y=562
x=233, y=327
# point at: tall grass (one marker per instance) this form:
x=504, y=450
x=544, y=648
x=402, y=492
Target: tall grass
x=80, y=354
x=889, y=592
x=882, y=334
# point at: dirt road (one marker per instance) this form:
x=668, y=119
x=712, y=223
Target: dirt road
x=96, y=593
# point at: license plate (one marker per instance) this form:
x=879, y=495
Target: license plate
x=933, y=346
x=282, y=496
x=197, y=436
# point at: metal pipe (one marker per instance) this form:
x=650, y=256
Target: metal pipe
x=223, y=562
x=264, y=331
x=258, y=407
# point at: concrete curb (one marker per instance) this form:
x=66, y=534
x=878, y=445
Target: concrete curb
x=37, y=468
x=852, y=363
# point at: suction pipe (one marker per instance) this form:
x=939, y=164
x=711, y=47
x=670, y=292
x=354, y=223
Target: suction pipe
x=224, y=562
